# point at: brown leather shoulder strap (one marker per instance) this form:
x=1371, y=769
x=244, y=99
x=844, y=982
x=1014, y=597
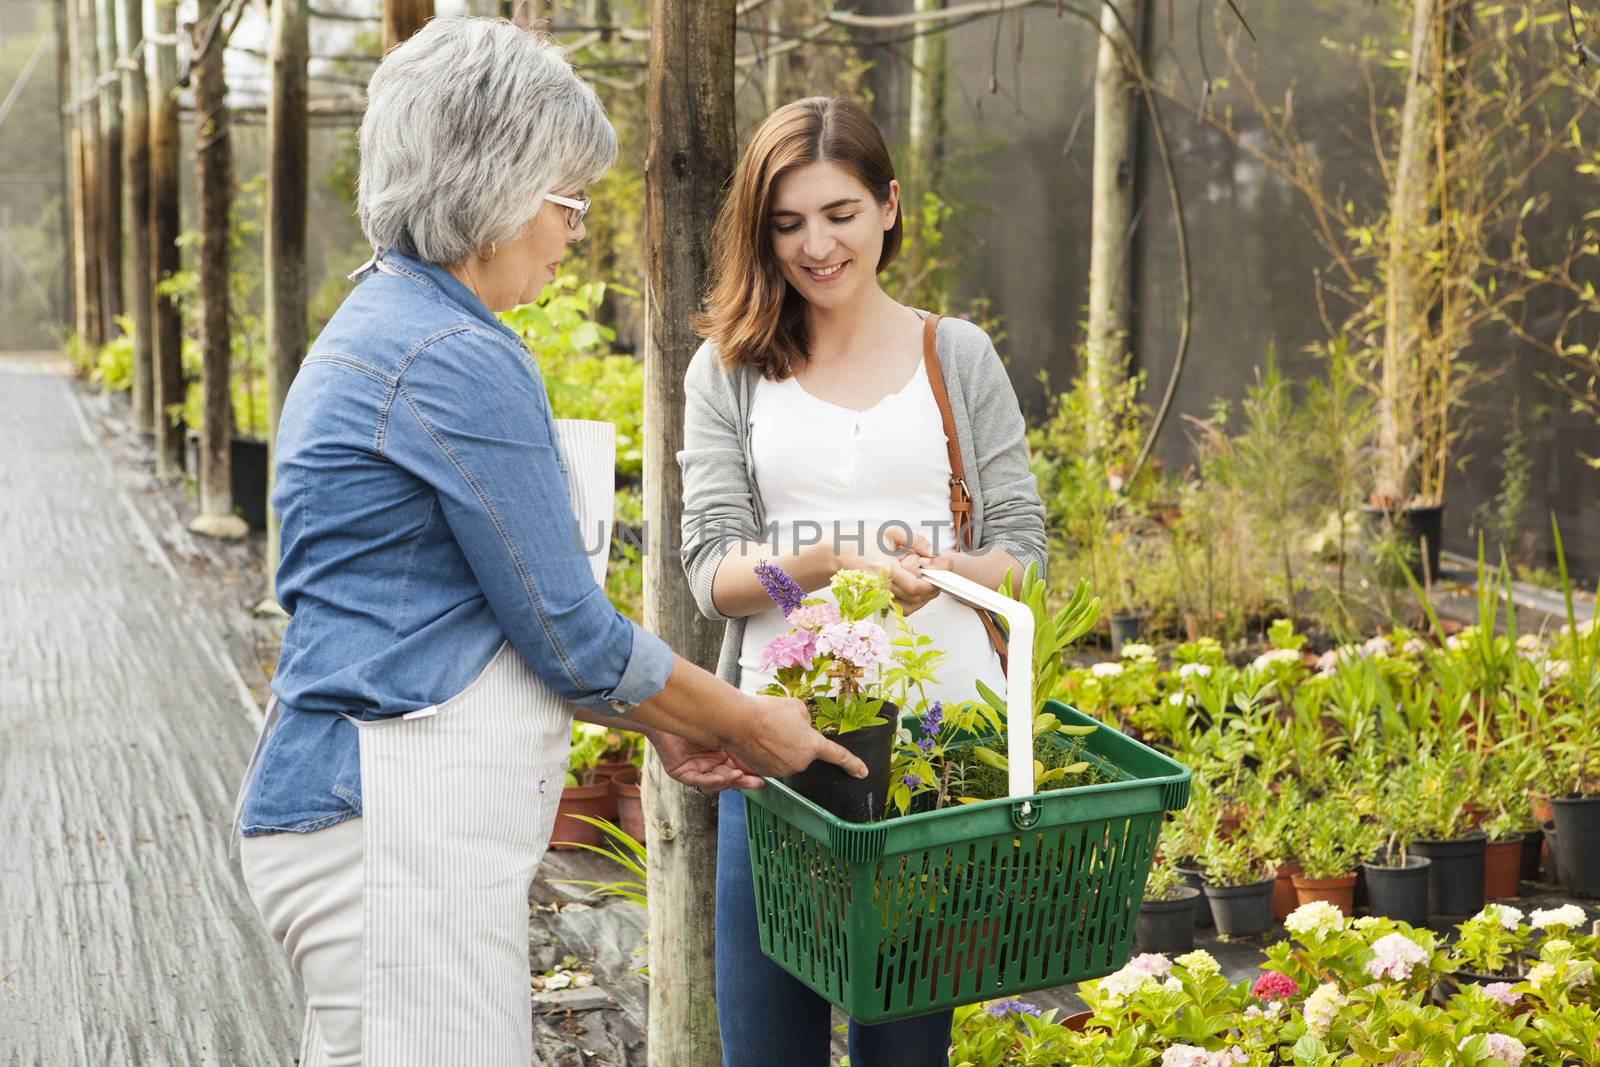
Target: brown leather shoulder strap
x=960, y=498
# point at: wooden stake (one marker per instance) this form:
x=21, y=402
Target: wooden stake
x=86, y=170
x=286, y=225
x=110, y=103
x=136, y=210
x=690, y=156
x=166, y=327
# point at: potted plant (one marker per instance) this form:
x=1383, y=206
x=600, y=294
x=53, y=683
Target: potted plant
x=625, y=787
x=1239, y=886
x=1455, y=878
x=1397, y=880
x=1166, y=915
x=1502, y=856
x=1491, y=946
x=1277, y=828
x=1332, y=843
x=581, y=794
x=831, y=657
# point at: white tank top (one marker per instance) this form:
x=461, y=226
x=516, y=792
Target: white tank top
x=824, y=470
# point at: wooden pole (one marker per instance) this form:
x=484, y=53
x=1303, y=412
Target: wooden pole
x=690, y=156
x=166, y=327
x=286, y=225
x=110, y=165
x=214, y=191
x=1406, y=270
x=925, y=126
x=86, y=156
x=136, y=209
x=402, y=18
x=1116, y=113
x=69, y=160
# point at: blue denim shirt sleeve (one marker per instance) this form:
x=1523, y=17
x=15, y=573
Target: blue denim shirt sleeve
x=471, y=418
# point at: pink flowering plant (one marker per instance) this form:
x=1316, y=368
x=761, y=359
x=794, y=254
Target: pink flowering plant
x=834, y=652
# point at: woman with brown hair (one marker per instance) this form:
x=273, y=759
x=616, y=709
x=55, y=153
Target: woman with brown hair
x=814, y=439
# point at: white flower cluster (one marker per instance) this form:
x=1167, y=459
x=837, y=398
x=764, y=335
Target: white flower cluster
x=1567, y=916
x=1322, y=1008
x=1317, y=919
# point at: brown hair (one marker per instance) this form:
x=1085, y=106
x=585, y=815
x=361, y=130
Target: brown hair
x=752, y=313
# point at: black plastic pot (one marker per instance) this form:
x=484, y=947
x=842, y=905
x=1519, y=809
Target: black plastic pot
x=1532, y=849
x=853, y=799
x=1399, y=892
x=1242, y=910
x=247, y=475
x=1578, y=827
x=1455, y=878
x=1202, y=908
x=1552, y=854
x=1419, y=527
x=1167, y=925
x=1125, y=628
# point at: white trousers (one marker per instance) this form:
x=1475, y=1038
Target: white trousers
x=307, y=888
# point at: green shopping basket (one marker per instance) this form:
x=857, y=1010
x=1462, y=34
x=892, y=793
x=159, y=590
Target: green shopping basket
x=899, y=918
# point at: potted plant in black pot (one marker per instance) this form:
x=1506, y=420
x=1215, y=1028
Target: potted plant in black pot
x=1239, y=886
x=1576, y=758
x=1445, y=833
x=1491, y=947
x=1166, y=915
x=1397, y=879
x=831, y=658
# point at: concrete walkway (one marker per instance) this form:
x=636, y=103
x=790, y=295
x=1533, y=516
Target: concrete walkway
x=125, y=934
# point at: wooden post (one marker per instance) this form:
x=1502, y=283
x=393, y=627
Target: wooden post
x=136, y=208
x=69, y=159
x=166, y=328
x=925, y=128
x=286, y=226
x=690, y=156
x=1116, y=112
x=110, y=165
x=214, y=191
x=402, y=18
x=86, y=155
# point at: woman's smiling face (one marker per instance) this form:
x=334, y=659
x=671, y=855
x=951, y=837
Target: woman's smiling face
x=828, y=231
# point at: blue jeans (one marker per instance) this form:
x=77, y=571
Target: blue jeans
x=768, y=1018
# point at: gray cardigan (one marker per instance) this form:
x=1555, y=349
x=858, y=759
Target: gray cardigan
x=722, y=505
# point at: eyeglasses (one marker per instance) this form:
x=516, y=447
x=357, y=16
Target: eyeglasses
x=576, y=209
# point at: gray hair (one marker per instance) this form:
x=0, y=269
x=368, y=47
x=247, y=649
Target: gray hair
x=469, y=124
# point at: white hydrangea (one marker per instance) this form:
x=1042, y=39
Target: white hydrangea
x=1504, y=914
x=1567, y=915
x=1135, y=650
x=1195, y=670
x=1317, y=919
x=1106, y=670
x=1175, y=699
x=1541, y=975
x=1275, y=657
x=1322, y=1008
x=1554, y=946
x=1199, y=962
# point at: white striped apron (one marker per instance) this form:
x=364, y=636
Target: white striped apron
x=458, y=801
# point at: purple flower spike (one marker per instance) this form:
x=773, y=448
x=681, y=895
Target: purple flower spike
x=911, y=781
x=1012, y=1006
x=932, y=721
x=784, y=590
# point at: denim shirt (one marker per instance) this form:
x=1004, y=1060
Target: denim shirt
x=425, y=520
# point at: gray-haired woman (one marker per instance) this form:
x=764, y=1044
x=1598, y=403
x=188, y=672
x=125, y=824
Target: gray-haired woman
x=446, y=626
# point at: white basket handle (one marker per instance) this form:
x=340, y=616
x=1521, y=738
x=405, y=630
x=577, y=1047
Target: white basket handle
x=1019, y=671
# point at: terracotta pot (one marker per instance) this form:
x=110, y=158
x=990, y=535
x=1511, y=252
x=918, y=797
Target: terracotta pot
x=1283, y=896
x=591, y=800
x=630, y=803
x=1502, y=868
x=1539, y=804
x=1077, y=1021
x=1340, y=891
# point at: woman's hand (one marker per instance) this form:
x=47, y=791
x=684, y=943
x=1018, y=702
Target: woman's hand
x=901, y=557
x=777, y=740
x=703, y=767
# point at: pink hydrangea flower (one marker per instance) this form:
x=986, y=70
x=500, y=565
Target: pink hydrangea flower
x=1500, y=993
x=1152, y=964
x=1274, y=986
x=1395, y=956
x=794, y=649
x=814, y=616
x=861, y=644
